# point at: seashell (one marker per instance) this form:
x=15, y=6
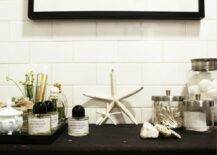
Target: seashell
x=149, y=131
x=205, y=85
x=193, y=90
x=166, y=132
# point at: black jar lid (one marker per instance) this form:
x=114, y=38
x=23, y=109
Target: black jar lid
x=50, y=106
x=39, y=108
x=78, y=111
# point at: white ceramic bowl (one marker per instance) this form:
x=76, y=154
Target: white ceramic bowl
x=10, y=120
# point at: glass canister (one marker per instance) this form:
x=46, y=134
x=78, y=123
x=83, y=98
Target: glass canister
x=197, y=115
x=202, y=80
x=168, y=110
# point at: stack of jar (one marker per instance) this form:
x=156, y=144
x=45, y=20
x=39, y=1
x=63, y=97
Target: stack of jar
x=46, y=115
x=203, y=81
x=198, y=112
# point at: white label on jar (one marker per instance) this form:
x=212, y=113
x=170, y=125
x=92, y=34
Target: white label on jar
x=39, y=126
x=54, y=121
x=77, y=127
x=195, y=121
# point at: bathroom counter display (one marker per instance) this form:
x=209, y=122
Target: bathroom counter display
x=124, y=139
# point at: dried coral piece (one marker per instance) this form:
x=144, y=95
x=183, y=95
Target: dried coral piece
x=166, y=132
x=23, y=104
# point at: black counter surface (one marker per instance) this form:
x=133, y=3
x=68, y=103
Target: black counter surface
x=124, y=139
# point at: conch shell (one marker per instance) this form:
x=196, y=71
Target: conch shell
x=166, y=131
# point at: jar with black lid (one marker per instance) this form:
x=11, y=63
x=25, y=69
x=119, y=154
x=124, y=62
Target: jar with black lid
x=39, y=122
x=78, y=124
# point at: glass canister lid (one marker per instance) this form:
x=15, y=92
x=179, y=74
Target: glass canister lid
x=200, y=102
x=207, y=64
x=168, y=97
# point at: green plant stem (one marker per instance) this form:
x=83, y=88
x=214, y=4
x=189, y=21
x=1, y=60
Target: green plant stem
x=9, y=79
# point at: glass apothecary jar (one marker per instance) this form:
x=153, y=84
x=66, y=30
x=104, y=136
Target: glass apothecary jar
x=197, y=115
x=202, y=79
x=168, y=110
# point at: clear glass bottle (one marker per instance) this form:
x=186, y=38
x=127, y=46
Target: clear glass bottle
x=39, y=122
x=78, y=125
x=168, y=110
x=52, y=111
x=197, y=115
x=202, y=79
x=61, y=102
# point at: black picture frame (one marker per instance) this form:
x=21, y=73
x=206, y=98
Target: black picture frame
x=116, y=14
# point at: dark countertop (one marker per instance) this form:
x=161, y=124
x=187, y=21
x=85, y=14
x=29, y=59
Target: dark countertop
x=123, y=139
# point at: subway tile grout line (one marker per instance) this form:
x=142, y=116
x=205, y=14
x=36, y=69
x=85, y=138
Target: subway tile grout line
x=110, y=40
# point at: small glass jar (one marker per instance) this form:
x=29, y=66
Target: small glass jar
x=78, y=125
x=197, y=115
x=61, y=106
x=202, y=80
x=168, y=110
x=39, y=122
x=61, y=101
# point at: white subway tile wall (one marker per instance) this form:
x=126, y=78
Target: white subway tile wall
x=80, y=54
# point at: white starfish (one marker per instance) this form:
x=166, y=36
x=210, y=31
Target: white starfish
x=114, y=100
x=108, y=115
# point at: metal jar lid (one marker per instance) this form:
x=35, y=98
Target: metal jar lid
x=199, y=101
x=168, y=97
x=207, y=64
